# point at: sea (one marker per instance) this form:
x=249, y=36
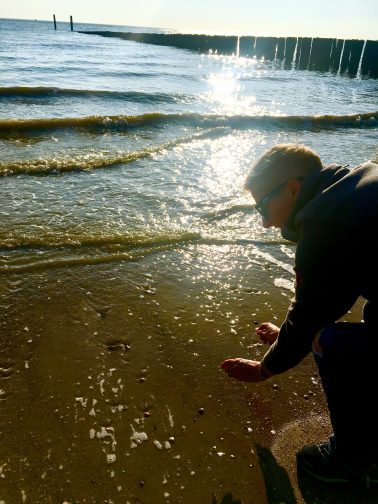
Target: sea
x=132, y=261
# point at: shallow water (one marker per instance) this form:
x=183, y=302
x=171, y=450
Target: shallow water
x=132, y=264
x=105, y=371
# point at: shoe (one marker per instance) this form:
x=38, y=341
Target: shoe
x=320, y=462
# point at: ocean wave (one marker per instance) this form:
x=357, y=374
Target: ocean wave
x=41, y=93
x=10, y=127
x=226, y=212
x=33, y=264
x=99, y=123
x=61, y=162
x=68, y=163
x=72, y=239
x=68, y=251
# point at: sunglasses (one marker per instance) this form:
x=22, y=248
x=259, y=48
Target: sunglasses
x=262, y=207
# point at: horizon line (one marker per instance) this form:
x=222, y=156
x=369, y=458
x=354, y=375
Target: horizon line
x=177, y=31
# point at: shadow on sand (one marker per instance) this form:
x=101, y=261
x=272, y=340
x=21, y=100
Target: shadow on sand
x=277, y=482
x=227, y=499
x=279, y=488
x=316, y=492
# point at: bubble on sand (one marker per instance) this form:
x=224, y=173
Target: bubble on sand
x=102, y=390
x=111, y=458
x=107, y=432
x=2, y=475
x=137, y=438
x=82, y=401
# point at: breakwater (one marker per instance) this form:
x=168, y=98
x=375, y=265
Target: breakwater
x=352, y=57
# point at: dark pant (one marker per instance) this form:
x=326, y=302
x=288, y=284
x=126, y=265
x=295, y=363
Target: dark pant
x=348, y=368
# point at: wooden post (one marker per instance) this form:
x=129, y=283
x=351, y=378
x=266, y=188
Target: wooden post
x=71, y=23
x=54, y=22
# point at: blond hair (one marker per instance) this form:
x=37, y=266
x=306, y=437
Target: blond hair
x=282, y=162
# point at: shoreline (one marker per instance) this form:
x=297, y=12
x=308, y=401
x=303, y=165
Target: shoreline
x=113, y=392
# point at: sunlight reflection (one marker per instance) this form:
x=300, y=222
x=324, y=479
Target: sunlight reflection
x=226, y=95
x=224, y=171
x=224, y=84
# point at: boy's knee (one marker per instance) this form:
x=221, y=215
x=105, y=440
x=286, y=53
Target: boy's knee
x=317, y=349
x=324, y=338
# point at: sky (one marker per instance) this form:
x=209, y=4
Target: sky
x=316, y=18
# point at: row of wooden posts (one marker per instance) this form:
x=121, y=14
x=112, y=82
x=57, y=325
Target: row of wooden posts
x=71, y=21
x=353, y=57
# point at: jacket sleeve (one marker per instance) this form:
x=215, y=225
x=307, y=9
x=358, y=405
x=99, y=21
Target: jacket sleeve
x=326, y=269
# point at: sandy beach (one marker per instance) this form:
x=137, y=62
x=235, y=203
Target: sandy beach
x=111, y=389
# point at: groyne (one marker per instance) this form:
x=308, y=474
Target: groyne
x=351, y=57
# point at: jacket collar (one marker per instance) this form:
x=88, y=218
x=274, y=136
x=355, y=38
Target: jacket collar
x=312, y=185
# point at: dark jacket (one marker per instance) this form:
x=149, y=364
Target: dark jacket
x=335, y=222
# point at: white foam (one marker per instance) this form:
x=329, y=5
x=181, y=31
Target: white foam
x=273, y=260
x=137, y=438
x=285, y=284
x=2, y=475
x=170, y=418
x=102, y=390
x=289, y=252
x=82, y=401
x=107, y=432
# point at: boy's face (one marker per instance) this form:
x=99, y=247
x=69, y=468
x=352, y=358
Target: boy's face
x=276, y=204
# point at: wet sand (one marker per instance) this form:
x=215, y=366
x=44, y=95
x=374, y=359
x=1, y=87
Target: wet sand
x=111, y=392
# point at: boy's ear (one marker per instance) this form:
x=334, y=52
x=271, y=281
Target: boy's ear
x=294, y=186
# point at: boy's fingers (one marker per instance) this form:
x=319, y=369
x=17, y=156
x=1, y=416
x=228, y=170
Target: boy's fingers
x=227, y=364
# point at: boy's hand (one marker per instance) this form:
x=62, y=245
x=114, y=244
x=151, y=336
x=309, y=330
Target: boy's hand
x=268, y=332
x=243, y=370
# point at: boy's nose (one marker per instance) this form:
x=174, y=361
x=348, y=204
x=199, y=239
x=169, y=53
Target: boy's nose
x=266, y=222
